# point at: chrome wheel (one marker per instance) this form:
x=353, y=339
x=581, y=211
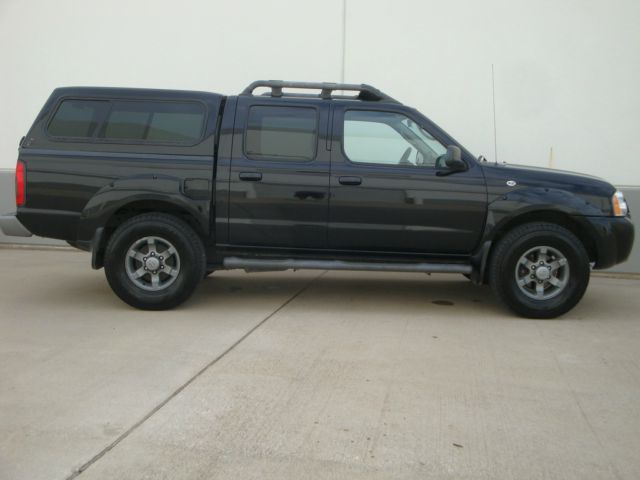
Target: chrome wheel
x=542, y=273
x=152, y=263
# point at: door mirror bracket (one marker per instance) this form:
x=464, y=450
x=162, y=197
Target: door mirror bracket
x=453, y=160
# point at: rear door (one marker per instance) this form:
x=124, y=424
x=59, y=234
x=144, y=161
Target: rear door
x=279, y=177
x=388, y=191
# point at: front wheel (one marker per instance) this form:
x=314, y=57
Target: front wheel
x=539, y=270
x=154, y=261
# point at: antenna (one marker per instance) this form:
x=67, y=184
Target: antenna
x=344, y=40
x=495, y=129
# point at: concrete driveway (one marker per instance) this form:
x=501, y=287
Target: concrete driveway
x=311, y=375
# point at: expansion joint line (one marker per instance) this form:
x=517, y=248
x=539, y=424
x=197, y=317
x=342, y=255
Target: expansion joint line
x=176, y=392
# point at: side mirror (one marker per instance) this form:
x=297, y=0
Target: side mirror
x=453, y=159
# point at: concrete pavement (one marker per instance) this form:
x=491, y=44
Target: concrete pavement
x=311, y=374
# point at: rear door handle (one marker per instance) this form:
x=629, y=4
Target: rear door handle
x=250, y=176
x=308, y=195
x=350, y=180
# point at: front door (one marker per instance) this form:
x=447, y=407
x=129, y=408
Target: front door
x=279, y=178
x=388, y=191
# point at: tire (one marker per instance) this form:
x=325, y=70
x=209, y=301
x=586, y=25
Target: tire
x=130, y=271
x=208, y=272
x=519, y=282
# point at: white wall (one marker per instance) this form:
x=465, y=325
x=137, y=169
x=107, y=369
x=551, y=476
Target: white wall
x=193, y=45
x=567, y=72
x=567, y=75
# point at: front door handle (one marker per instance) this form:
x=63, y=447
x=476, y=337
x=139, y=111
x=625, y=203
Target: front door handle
x=250, y=176
x=350, y=180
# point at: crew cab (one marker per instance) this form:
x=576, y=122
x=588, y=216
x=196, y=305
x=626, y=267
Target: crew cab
x=164, y=187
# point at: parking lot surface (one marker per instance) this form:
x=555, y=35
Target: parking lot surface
x=311, y=375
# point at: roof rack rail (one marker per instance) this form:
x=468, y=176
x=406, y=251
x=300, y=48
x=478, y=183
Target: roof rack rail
x=366, y=92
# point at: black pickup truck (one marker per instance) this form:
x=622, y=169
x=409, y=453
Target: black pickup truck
x=164, y=187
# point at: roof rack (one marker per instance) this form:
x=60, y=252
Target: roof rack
x=366, y=92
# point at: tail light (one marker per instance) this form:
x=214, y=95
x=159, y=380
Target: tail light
x=21, y=190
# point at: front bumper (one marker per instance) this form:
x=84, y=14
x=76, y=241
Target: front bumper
x=613, y=238
x=11, y=226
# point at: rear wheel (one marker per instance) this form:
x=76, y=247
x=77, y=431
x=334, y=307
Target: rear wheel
x=154, y=261
x=539, y=270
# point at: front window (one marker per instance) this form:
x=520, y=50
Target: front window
x=388, y=138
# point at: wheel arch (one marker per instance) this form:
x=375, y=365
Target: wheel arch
x=134, y=208
x=572, y=223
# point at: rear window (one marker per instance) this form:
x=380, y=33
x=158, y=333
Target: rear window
x=138, y=121
x=282, y=133
x=78, y=118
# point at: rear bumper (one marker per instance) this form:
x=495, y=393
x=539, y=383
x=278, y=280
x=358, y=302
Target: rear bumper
x=11, y=226
x=49, y=223
x=613, y=239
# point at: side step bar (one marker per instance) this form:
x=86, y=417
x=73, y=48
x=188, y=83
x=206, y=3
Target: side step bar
x=266, y=265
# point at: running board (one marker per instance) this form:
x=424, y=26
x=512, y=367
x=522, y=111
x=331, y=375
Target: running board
x=269, y=265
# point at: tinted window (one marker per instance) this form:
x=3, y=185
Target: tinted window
x=283, y=132
x=77, y=118
x=127, y=121
x=154, y=121
x=388, y=138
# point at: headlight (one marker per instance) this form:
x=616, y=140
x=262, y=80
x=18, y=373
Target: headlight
x=620, y=208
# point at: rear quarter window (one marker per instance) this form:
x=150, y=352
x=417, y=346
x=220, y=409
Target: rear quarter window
x=129, y=121
x=77, y=118
x=155, y=122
